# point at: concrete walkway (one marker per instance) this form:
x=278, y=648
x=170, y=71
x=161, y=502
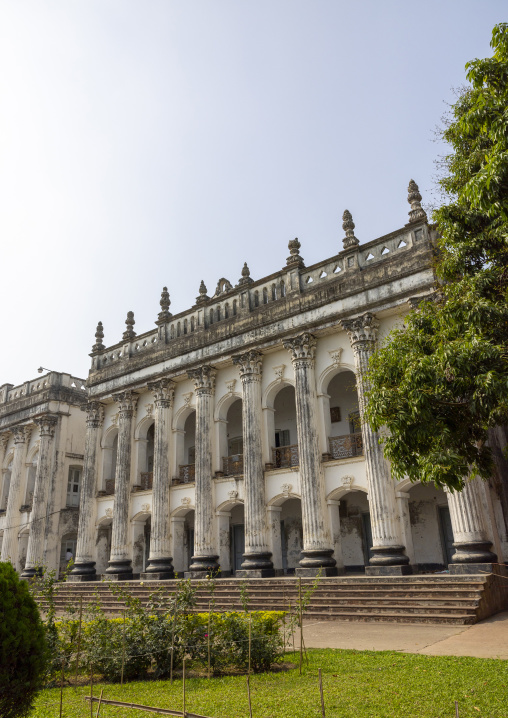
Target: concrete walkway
x=487, y=639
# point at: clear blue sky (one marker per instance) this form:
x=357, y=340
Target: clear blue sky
x=155, y=143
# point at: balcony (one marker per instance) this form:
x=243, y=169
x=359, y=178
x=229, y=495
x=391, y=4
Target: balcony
x=345, y=447
x=186, y=474
x=109, y=488
x=232, y=465
x=285, y=457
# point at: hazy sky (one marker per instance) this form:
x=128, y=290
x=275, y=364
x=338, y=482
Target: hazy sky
x=155, y=143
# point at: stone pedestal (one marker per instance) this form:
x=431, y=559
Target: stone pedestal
x=119, y=564
x=160, y=561
x=257, y=557
x=38, y=517
x=317, y=542
x=84, y=565
x=204, y=560
x=396, y=570
x=10, y=537
x=387, y=547
x=461, y=569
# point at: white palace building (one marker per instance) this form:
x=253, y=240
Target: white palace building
x=230, y=437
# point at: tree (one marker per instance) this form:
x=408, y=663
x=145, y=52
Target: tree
x=441, y=382
x=22, y=646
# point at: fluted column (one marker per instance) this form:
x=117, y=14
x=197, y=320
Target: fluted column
x=470, y=535
x=317, y=541
x=256, y=559
x=205, y=555
x=388, y=555
x=84, y=565
x=39, y=515
x=160, y=561
x=120, y=565
x=10, y=539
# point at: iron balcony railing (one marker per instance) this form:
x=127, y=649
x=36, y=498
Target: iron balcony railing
x=232, y=465
x=284, y=457
x=344, y=447
x=187, y=473
x=146, y=480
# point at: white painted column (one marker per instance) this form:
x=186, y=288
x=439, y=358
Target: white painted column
x=39, y=516
x=120, y=567
x=471, y=541
x=334, y=518
x=317, y=541
x=268, y=435
x=84, y=565
x=256, y=559
x=160, y=562
x=12, y=518
x=205, y=555
x=274, y=537
x=388, y=555
x=324, y=424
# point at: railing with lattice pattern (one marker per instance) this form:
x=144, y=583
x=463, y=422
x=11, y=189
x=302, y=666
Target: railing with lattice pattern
x=344, y=447
x=187, y=473
x=232, y=465
x=284, y=457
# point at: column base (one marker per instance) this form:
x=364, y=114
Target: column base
x=255, y=573
x=255, y=561
x=203, y=566
x=321, y=571
x=119, y=570
x=83, y=571
x=388, y=556
x=459, y=569
x=404, y=570
x=473, y=552
x=31, y=572
x=159, y=568
x=157, y=576
x=318, y=559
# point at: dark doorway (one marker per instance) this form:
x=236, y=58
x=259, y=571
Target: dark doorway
x=367, y=537
x=445, y=523
x=237, y=545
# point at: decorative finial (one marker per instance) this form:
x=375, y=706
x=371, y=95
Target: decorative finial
x=165, y=303
x=245, y=278
x=349, y=228
x=416, y=213
x=129, y=333
x=99, y=336
x=203, y=298
x=294, y=251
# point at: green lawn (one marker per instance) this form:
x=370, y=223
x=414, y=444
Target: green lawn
x=357, y=684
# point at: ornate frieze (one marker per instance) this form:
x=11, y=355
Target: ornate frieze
x=203, y=378
x=163, y=392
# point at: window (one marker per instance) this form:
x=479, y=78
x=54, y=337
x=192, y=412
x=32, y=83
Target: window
x=185, y=325
x=265, y=296
x=226, y=311
x=282, y=289
x=234, y=307
x=282, y=438
x=192, y=324
x=211, y=316
x=256, y=298
x=73, y=486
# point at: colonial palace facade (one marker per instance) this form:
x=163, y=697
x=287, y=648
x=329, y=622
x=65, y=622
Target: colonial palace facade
x=231, y=437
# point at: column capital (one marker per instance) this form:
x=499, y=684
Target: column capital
x=94, y=414
x=21, y=434
x=4, y=440
x=203, y=378
x=163, y=392
x=127, y=401
x=362, y=330
x=46, y=424
x=302, y=347
x=250, y=364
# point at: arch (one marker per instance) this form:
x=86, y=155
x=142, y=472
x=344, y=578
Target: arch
x=109, y=436
x=141, y=516
x=229, y=504
x=279, y=499
x=272, y=390
x=185, y=326
x=9, y=459
x=234, y=307
x=211, y=316
x=141, y=430
x=178, y=329
x=32, y=453
x=256, y=298
x=341, y=491
x=226, y=310
x=182, y=510
x=328, y=374
x=265, y=296
x=274, y=292
x=182, y=415
x=104, y=521
x=192, y=320
x=222, y=406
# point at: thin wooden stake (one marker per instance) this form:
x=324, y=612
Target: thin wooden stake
x=91, y=691
x=321, y=692
x=248, y=694
x=123, y=647
x=79, y=639
x=301, y=621
x=208, y=640
x=250, y=637
x=100, y=701
x=456, y=709
x=61, y=687
x=183, y=687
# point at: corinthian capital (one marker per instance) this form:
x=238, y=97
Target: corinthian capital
x=127, y=401
x=250, y=364
x=94, y=414
x=4, y=440
x=21, y=434
x=302, y=347
x=163, y=392
x=46, y=424
x=362, y=330
x=203, y=378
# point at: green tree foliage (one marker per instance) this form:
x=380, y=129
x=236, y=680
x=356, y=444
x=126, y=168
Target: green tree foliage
x=440, y=383
x=22, y=646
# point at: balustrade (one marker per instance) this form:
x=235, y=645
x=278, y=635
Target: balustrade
x=146, y=480
x=344, y=447
x=109, y=487
x=232, y=465
x=187, y=473
x=284, y=457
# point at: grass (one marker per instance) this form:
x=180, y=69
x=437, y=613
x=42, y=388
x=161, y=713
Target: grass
x=357, y=684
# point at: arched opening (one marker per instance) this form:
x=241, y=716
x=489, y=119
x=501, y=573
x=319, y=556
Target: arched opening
x=232, y=440
x=234, y=307
x=218, y=314
x=178, y=329
x=182, y=539
x=236, y=537
x=67, y=551
x=192, y=326
x=103, y=545
x=141, y=530
x=109, y=456
x=6, y=484
x=30, y=484
x=282, y=289
x=226, y=311
x=431, y=528
x=211, y=316
x=185, y=326
x=285, y=440
x=343, y=416
x=187, y=458
x=355, y=529
x=256, y=298
x=274, y=292
x=265, y=296
x=291, y=534
x=145, y=452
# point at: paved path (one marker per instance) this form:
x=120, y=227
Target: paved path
x=487, y=639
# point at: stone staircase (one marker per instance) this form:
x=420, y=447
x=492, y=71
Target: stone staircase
x=441, y=598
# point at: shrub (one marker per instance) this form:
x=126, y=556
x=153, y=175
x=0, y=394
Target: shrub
x=23, y=649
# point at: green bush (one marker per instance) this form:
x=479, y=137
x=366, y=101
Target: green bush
x=23, y=648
